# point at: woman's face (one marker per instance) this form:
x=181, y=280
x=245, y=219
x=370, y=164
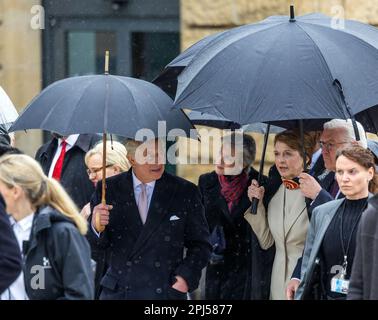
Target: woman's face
x=229, y=161
x=288, y=161
x=353, y=179
x=95, y=169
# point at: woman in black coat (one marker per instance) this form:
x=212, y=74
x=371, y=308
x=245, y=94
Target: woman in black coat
x=57, y=262
x=238, y=268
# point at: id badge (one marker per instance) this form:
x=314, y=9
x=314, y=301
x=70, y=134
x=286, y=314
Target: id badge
x=339, y=285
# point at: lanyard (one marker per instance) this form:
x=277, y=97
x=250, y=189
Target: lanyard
x=345, y=252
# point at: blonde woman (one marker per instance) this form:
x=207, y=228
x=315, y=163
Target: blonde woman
x=116, y=162
x=50, y=232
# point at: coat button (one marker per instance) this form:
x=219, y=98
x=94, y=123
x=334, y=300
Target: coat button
x=157, y=264
x=159, y=290
x=129, y=263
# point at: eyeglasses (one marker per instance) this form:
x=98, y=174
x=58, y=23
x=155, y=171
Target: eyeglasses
x=96, y=170
x=330, y=146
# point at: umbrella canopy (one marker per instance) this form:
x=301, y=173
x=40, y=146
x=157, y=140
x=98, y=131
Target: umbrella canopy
x=282, y=70
x=102, y=104
x=167, y=80
x=204, y=119
x=8, y=113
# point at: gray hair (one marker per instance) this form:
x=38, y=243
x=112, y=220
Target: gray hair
x=249, y=146
x=348, y=126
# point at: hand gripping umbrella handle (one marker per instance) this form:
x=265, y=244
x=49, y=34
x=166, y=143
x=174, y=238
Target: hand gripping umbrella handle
x=255, y=203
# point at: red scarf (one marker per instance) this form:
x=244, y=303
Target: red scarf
x=233, y=187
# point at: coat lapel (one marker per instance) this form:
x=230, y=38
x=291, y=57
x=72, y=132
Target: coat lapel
x=214, y=191
x=323, y=229
x=126, y=196
x=297, y=210
x=162, y=196
x=47, y=155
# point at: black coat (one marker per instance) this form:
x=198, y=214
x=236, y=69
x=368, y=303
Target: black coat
x=245, y=271
x=364, y=278
x=74, y=177
x=58, y=256
x=145, y=258
x=10, y=255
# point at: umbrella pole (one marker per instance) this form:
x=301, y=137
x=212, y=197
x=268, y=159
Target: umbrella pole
x=255, y=201
x=103, y=192
x=99, y=227
x=351, y=115
x=301, y=133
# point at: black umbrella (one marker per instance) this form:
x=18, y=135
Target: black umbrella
x=284, y=69
x=167, y=80
x=204, y=119
x=103, y=104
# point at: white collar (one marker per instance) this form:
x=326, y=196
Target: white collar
x=71, y=140
x=25, y=223
x=137, y=182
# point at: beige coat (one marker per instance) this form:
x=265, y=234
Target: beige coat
x=286, y=229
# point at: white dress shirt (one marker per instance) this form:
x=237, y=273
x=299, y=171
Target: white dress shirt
x=137, y=190
x=137, y=184
x=22, y=230
x=71, y=140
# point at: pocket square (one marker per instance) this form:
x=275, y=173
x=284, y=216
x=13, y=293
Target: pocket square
x=173, y=218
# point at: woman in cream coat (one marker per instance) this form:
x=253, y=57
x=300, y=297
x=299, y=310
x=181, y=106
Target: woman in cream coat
x=282, y=218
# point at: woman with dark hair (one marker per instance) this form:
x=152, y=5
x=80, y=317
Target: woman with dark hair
x=236, y=268
x=282, y=218
x=331, y=240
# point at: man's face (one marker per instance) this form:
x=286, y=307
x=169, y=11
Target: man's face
x=331, y=141
x=148, y=162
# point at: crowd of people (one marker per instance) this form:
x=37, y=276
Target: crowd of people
x=158, y=236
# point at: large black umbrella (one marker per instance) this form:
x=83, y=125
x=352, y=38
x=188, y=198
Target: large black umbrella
x=167, y=79
x=101, y=104
x=285, y=69
x=204, y=119
x=104, y=104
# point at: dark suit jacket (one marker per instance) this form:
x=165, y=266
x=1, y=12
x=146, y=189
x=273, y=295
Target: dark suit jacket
x=145, y=258
x=10, y=255
x=245, y=271
x=74, y=176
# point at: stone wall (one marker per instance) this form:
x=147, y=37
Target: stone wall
x=20, y=61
